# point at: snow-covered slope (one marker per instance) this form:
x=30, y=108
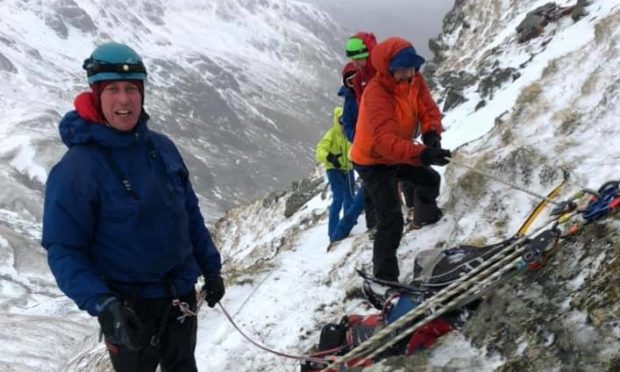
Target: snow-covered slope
x=560, y=111
x=240, y=85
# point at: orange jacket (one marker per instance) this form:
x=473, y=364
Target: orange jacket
x=390, y=112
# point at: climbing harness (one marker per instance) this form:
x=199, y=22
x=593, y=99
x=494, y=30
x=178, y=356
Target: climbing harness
x=185, y=309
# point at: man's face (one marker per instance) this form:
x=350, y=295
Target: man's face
x=121, y=104
x=404, y=74
x=360, y=62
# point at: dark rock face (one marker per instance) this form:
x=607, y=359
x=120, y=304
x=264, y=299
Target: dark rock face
x=458, y=80
x=429, y=74
x=535, y=21
x=454, y=83
x=455, y=17
x=452, y=99
x=496, y=79
x=580, y=10
x=451, y=21
x=301, y=193
x=437, y=47
x=564, y=316
x=68, y=12
x=272, y=198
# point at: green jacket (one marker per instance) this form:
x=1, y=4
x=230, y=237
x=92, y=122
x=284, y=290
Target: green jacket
x=335, y=142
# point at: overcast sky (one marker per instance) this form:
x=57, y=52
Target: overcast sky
x=415, y=20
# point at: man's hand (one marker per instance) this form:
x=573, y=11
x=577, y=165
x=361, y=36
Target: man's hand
x=333, y=158
x=119, y=324
x=213, y=290
x=435, y=156
x=431, y=139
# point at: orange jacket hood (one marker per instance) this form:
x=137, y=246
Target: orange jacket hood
x=369, y=40
x=383, y=53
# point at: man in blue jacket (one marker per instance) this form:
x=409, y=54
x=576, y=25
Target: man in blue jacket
x=124, y=234
x=361, y=202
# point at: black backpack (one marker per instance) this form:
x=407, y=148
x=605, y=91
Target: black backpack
x=338, y=338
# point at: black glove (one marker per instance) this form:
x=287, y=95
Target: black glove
x=431, y=139
x=120, y=325
x=435, y=156
x=214, y=290
x=333, y=158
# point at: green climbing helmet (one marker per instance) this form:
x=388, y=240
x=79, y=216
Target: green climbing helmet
x=114, y=61
x=356, y=49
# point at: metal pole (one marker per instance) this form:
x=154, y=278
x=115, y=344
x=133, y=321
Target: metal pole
x=539, y=196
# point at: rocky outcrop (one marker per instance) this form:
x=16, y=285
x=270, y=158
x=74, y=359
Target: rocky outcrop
x=565, y=316
x=65, y=13
x=535, y=21
x=454, y=83
x=301, y=193
x=455, y=17
x=496, y=79
x=579, y=11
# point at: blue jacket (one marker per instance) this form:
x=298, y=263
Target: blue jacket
x=349, y=112
x=100, y=239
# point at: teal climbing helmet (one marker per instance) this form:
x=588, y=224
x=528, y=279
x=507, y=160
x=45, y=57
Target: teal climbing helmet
x=114, y=61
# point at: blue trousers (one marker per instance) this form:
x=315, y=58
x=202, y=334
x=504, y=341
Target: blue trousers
x=343, y=188
x=350, y=217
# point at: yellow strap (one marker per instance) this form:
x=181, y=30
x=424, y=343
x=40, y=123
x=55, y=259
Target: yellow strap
x=539, y=208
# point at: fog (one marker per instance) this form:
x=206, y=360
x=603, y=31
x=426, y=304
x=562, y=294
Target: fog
x=415, y=20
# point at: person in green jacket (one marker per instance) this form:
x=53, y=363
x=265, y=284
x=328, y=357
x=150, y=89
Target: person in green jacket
x=332, y=152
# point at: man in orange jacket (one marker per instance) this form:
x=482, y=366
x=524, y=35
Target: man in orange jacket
x=397, y=105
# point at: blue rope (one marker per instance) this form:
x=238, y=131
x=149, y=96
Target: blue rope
x=600, y=206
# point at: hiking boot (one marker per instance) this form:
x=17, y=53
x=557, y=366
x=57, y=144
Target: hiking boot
x=333, y=245
x=376, y=293
x=416, y=226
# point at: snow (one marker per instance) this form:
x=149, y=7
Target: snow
x=521, y=347
x=286, y=284
x=456, y=352
x=577, y=282
x=275, y=314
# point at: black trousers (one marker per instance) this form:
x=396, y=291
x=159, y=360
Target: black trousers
x=175, y=352
x=408, y=190
x=369, y=212
x=382, y=186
